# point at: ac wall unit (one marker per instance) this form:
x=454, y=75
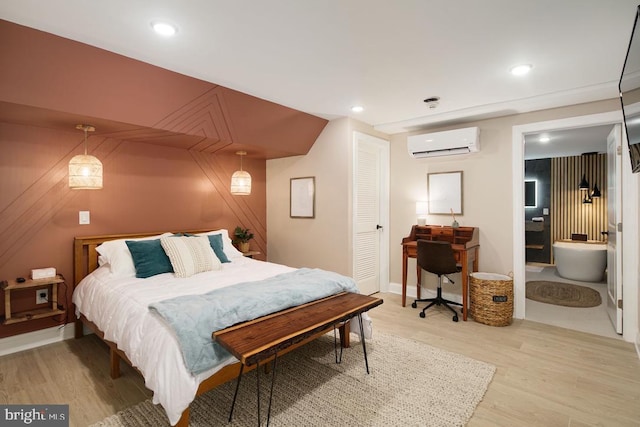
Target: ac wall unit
x=447, y=143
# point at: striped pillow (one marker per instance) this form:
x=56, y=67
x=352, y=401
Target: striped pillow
x=190, y=255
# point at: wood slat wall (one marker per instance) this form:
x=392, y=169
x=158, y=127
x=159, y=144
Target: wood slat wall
x=568, y=213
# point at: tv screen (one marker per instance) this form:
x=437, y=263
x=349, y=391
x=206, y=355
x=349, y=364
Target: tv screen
x=629, y=87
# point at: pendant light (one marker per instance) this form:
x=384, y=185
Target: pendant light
x=584, y=185
x=596, y=192
x=85, y=171
x=241, y=180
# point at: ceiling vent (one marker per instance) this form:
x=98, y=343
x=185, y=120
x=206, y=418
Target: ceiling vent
x=447, y=143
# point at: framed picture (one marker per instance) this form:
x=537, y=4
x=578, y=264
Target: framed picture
x=445, y=193
x=302, y=199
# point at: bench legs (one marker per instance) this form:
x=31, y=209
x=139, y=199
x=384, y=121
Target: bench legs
x=345, y=342
x=362, y=340
x=235, y=395
x=342, y=333
x=273, y=381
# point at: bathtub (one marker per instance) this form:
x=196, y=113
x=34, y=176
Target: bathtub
x=583, y=261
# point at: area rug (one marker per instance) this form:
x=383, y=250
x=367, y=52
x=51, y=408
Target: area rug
x=565, y=294
x=410, y=384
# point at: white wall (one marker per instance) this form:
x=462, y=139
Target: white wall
x=320, y=241
x=324, y=241
x=487, y=192
x=487, y=186
x=486, y=200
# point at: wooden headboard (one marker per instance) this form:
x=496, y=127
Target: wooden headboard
x=85, y=257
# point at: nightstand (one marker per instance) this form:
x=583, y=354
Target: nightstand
x=51, y=283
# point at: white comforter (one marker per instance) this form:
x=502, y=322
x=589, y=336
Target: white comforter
x=119, y=307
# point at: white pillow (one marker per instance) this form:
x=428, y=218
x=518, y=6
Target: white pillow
x=190, y=255
x=117, y=255
x=229, y=250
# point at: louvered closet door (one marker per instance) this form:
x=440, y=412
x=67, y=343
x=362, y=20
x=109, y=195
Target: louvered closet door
x=368, y=221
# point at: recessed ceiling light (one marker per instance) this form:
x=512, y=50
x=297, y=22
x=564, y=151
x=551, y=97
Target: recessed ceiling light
x=164, y=29
x=521, y=70
x=357, y=108
x=544, y=139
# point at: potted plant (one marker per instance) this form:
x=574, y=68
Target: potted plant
x=241, y=238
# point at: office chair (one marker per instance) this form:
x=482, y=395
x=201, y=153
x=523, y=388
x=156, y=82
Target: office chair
x=437, y=258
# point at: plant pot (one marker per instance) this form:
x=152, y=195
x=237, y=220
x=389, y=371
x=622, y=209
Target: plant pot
x=243, y=247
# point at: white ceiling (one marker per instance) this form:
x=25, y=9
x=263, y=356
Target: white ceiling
x=323, y=57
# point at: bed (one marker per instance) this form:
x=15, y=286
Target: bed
x=125, y=311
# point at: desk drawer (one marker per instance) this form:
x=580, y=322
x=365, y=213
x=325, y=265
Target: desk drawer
x=444, y=231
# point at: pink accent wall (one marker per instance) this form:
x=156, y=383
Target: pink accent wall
x=167, y=143
x=146, y=188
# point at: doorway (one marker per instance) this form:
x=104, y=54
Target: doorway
x=557, y=160
x=518, y=134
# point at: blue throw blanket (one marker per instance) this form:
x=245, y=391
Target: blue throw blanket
x=195, y=317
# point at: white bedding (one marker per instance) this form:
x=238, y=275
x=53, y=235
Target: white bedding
x=119, y=307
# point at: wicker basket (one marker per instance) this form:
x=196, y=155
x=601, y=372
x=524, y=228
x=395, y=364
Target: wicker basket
x=491, y=298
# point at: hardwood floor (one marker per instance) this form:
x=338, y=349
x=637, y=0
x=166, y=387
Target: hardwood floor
x=546, y=376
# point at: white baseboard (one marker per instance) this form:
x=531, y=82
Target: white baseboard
x=35, y=339
x=396, y=288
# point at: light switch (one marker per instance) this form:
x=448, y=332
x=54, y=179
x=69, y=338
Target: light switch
x=545, y=211
x=84, y=217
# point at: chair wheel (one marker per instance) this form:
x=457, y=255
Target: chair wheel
x=455, y=318
x=414, y=305
x=422, y=314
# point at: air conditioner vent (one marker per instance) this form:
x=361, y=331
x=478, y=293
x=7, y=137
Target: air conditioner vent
x=447, y=143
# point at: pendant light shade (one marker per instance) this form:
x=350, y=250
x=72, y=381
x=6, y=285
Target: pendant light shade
x=596, y=192
x=241, y=180
x=85, y=171
x=584, y=185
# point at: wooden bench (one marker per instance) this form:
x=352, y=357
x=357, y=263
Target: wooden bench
x=262, y=339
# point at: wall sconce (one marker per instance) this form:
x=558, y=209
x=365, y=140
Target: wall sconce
x=422, y=208
x=241, y=180
x=85, y=171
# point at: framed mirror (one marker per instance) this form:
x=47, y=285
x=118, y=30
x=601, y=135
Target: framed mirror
x=445, y=193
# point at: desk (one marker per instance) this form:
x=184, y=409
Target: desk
x=261, y=339
x=465, y=243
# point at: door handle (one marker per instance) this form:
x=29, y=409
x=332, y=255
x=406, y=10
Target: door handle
x=378, y=227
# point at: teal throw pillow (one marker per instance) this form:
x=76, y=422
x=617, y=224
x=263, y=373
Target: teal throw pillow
x=216, y=243
x=149, y=258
